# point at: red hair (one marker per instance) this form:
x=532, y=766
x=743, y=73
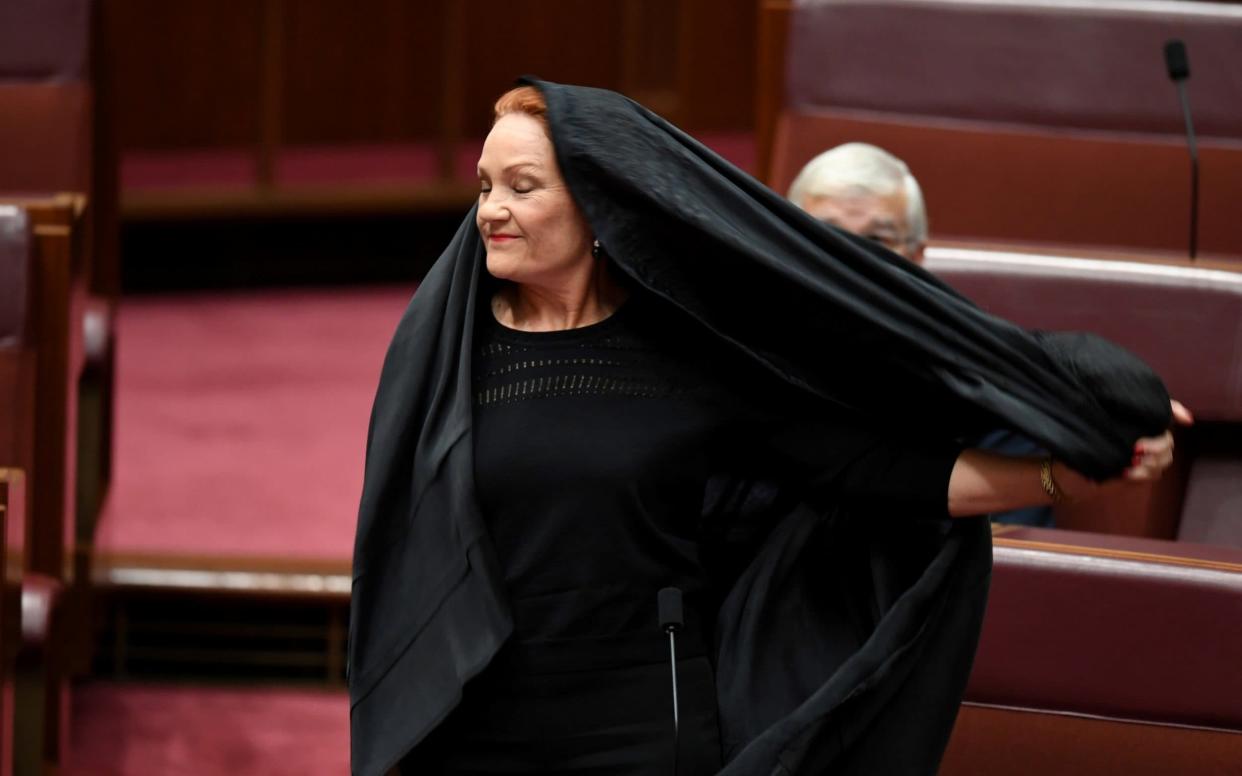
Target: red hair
x=523, y=99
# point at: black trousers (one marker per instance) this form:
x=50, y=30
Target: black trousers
x=616, y=721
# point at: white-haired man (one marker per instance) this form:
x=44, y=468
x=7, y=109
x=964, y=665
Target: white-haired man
x=865, y=190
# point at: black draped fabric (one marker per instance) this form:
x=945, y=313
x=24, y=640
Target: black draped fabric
x=845, y=642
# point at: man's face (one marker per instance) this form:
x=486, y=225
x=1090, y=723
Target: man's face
x=880, y=219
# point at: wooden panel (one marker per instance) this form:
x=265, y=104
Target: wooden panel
x=191, y=74
x=650, y=40
x=1025, y=186
x=770, y=78
x=353, y=76
x=719, y=58
x=988, y=739
x=560, y=40
x=186, y=74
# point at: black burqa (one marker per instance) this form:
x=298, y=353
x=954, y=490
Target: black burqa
x=845, y=642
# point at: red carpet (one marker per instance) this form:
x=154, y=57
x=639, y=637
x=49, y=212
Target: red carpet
x=135, y=730
x=241, y=421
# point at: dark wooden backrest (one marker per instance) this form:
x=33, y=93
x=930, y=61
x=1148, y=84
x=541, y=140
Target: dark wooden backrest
x=1049, y=122
x=1184, y=320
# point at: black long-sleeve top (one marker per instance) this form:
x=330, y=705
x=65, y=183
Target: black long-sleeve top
x=594, y=447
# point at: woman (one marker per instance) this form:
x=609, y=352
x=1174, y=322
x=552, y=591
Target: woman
x=643, y=389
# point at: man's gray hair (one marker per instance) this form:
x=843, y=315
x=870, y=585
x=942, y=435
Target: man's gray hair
x=861, y=168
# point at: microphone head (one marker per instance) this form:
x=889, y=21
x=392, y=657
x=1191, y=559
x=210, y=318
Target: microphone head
x=671, y=616
x=1176, y=61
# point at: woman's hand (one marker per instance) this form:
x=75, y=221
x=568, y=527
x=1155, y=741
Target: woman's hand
x=1152, y=455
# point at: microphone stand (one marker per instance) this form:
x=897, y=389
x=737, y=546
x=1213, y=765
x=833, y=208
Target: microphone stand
x=671, y=620
x=1177, y=63
x=1194, y=168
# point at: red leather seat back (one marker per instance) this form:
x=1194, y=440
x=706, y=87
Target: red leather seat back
x=1049, y=123
x=1186, y=322
x=1088, y=66
x=1113, y=626
x=45, y=39
x=1105, y=654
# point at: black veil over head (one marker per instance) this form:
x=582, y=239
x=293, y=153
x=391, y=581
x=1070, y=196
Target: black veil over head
x=853, y=322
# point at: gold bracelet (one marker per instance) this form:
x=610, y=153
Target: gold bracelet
x=1048, y=483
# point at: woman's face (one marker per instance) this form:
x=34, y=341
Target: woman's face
x=532, y=228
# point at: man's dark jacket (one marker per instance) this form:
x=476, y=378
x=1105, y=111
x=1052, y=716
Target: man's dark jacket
x=844, y=644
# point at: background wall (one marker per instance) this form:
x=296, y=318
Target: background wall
x=205, y=74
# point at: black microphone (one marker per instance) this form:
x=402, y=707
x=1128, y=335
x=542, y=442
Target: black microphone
x=1178, y=65
x=671, y=620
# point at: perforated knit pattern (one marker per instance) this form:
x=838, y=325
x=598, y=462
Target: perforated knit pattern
x=603, y=359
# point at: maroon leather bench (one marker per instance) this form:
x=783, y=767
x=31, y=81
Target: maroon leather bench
x=1184, y=320
x=1105, y=654
x=1040, y=122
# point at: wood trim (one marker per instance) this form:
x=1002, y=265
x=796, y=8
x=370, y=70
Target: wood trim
x=52, y=473
x=277, y=564
x=215, y=574
x=1095, y=717
x=1028, y=742
x=1100, y=552
x=942, y=249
